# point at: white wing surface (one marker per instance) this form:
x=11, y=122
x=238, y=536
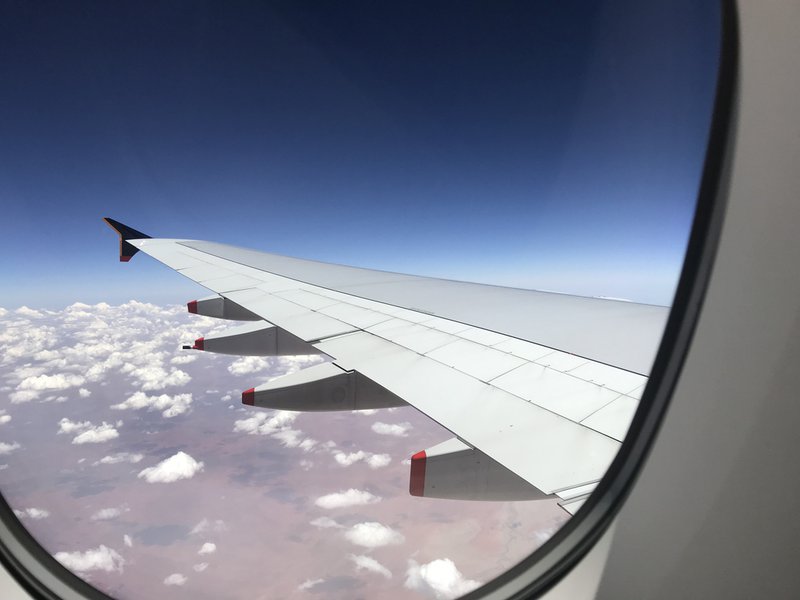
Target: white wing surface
x=535, y=386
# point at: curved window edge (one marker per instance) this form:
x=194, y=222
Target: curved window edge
x=549, y=564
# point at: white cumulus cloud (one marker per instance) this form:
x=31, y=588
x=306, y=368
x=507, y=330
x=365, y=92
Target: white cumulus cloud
x=348, y=459
x=439, y=578
x=106, y=514
x=60, y=381
x=171, y=406
x=373, y=535
x=396, y=429
x=325, y=523
x=309, y=583
x=177, y=466
x=21, y=396
x=247, y=365
x=157, y=378
x=96, y=434
x=32, y=513
x=207, y=548
x=264, y=423
x=4, y=419
x=126, y=539
x=24, y=311
x=175, y=579
x=84, y=393
x=200, y=567
x=66, y=425
x=208, y=525
x=101, y=558
x=120, y=457
x=183, y=359
x=351, y=497
x=369, y=564
x=8, y=448
x=375, y=461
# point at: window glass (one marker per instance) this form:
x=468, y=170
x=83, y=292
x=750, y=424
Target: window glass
x=547, y=146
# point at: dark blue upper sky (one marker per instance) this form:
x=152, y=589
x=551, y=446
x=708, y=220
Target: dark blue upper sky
x=555, y=145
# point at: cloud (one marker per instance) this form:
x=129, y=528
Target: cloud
x=84, y=393
x=21, y=396
x=200, y=567
x=96, y=434
x=375, y=461
x=8, y=448
x=4, y=419
x=171, y=406
x=101, y=558
x=157, y=378
x=32, y=513
x=177, y=466
x=126, y=539
x=107, y=514
x=277, y=424
x=370, y=564
x=396, y=429
x=439, y=578
x=208, y=525
x=207, y=548
x=325, y=523
x=247, y=365
x=351, y=497
x=309, y=583
x=120, y=457
x=291, y=438
x=183, y=359
x=373, y=535
x=348, y=459
x=264, y=423
x=175, y=579
x=60, y=381
x=65, y=425
x=24, y=311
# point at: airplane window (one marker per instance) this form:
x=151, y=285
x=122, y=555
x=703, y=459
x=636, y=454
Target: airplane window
x=360, y=433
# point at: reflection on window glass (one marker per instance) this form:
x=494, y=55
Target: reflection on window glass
x=547, y=146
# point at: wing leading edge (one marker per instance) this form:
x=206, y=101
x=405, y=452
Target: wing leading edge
x=525, y=413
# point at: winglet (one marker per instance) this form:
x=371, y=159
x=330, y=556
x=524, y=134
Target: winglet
x=126, y=250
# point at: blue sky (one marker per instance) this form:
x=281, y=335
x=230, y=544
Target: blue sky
x=546, y=145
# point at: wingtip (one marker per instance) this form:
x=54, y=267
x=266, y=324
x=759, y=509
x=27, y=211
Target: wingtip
x=125, y=233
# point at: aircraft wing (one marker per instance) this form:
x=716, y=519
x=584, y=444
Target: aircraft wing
x=538, y=388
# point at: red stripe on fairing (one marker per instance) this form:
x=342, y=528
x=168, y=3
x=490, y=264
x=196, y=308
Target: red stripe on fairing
x=199, y=344
x=192, y=306
x=416, y=484
x=124, y=258
x=248, y=396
